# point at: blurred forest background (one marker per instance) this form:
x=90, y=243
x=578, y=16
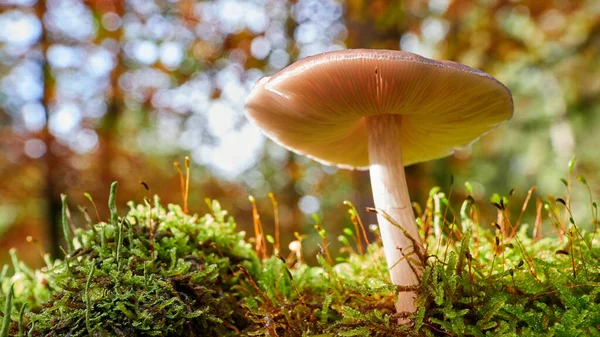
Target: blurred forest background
x=103, y=90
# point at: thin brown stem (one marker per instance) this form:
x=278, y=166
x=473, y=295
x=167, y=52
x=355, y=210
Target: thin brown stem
x=516, y=226
x=181, y=180
x=187, y=185
x=276, y=221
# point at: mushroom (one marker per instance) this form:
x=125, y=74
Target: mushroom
x=380, y=110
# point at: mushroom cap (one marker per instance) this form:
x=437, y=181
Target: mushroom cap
x=317, y=106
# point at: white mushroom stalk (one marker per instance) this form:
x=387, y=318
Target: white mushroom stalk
x=380, y=110
x=400, y=236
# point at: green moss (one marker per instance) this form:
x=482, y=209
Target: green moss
x=116, y=282
x=159, y=272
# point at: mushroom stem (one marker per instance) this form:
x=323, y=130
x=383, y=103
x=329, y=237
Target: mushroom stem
x=390, y=194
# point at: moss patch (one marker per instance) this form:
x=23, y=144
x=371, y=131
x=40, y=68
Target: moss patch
x=160, y=272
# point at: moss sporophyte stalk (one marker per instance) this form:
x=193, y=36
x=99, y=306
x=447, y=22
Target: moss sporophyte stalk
x=157, y=271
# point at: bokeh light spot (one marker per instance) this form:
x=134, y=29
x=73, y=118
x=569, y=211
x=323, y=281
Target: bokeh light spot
x=35, y=148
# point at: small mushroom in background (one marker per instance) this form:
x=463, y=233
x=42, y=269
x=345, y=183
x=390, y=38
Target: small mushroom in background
x=380, y=110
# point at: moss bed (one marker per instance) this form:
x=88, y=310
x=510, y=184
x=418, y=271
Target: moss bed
x=157, y=271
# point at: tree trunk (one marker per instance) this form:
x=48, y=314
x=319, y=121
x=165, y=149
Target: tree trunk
x=51, y=192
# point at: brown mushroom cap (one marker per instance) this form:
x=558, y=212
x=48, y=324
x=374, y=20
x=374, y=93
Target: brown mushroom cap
x=317, y=106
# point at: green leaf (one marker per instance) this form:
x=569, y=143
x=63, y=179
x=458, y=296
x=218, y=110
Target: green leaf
x=362, y=331
x=492, y=309
x=270, y=239
x=434, y=191
x=469, y=187
x=572, y=164
x=112, y=204
x=7, y=311
x=65, y=225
